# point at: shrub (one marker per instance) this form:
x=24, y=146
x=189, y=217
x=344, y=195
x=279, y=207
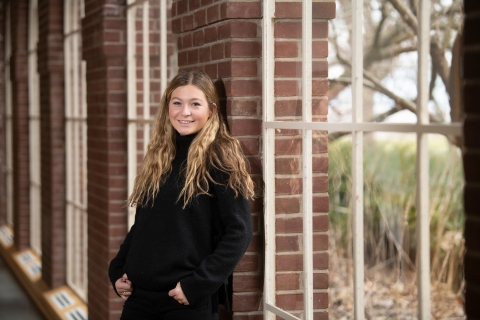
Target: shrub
x=389, y=205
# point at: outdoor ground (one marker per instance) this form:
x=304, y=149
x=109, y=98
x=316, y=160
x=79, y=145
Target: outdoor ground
x=386, y=297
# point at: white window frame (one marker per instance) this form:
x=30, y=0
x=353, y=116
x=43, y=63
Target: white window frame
x=144, y=121
x=8, y=116
x=357, y=127
x=34, y=134
x=76, y=150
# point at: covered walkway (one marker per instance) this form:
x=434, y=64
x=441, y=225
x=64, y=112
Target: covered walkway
x=14, y=302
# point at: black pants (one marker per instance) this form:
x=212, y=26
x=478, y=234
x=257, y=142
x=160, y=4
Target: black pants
x=155, y=305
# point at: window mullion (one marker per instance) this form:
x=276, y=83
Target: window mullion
x=357, y=160
x=146, y=72
x=131, y=102
x=423, y=220
x=163, y=45
x=268, y=155
x=307, y=158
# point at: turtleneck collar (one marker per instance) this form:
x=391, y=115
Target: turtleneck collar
x=184, y=141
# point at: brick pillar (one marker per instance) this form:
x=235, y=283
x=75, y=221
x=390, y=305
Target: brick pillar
x=52, y=139
x=3, y=146
x=288, y=149
x=104, y=50
x=20, y=127
x=223, y=38
x=471, y=156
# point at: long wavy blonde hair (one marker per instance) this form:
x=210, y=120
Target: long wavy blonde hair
x=213, y=146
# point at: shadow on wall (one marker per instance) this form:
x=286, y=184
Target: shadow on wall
x=222, y=100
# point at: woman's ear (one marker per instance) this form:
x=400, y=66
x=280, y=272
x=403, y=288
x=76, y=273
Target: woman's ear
x=214, y=108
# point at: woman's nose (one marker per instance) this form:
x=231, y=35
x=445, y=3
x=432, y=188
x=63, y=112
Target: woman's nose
x=185, y=110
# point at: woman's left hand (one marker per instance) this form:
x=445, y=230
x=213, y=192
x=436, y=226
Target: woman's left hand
x=177, y=294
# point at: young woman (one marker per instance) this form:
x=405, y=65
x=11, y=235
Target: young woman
x=192, y=223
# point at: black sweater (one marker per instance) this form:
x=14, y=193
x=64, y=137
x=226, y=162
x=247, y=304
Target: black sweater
x=168, y=244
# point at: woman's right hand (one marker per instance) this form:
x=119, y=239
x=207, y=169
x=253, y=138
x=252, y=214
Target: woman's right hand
x=124, y=287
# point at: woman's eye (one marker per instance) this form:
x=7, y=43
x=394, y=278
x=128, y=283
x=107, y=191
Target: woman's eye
x=176, y=103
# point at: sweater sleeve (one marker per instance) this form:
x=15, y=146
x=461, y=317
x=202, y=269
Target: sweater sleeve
x=115, y=270
x=235, y=215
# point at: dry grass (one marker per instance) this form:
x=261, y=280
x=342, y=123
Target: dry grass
x=389, y=227
x=389, y=297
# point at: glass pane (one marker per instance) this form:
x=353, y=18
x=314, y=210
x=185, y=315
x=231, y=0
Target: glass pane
x=76, y=155
x=390, y=227
x=390, y=63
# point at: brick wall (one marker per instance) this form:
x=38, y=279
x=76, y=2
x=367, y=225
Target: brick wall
x=21, y=164
x=3, y=155
x=104, y=50
x=223, y=38
x=471, y=156
x=52, y=137
x=288, y=148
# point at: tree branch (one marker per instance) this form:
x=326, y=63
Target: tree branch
x=433, y=80
x=407, y=15
x=401, y=37
x=376, y=85
x=437, y=52
x=395, y=50
x=379, y=28
x=378, y=118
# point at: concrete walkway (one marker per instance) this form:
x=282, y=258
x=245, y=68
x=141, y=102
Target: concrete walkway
x=15, y=304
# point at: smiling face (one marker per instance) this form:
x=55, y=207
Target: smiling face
x=188, y=109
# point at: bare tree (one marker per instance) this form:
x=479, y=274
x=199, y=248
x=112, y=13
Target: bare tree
x=390, y=31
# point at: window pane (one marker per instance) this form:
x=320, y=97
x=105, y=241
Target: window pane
x=390, y=226
x=34, y=127
x=390, y=63
x=76, y=152
x=145, y=77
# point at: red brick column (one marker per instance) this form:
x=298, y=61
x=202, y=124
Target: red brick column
x=471, y=156
x=52, y=118
x=104, y=50
x=223, y=38
x=288, y=149
x=20, y=127
x=3, y=146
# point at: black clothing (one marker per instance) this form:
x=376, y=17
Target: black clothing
x=168, y=244
x=153, y=305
